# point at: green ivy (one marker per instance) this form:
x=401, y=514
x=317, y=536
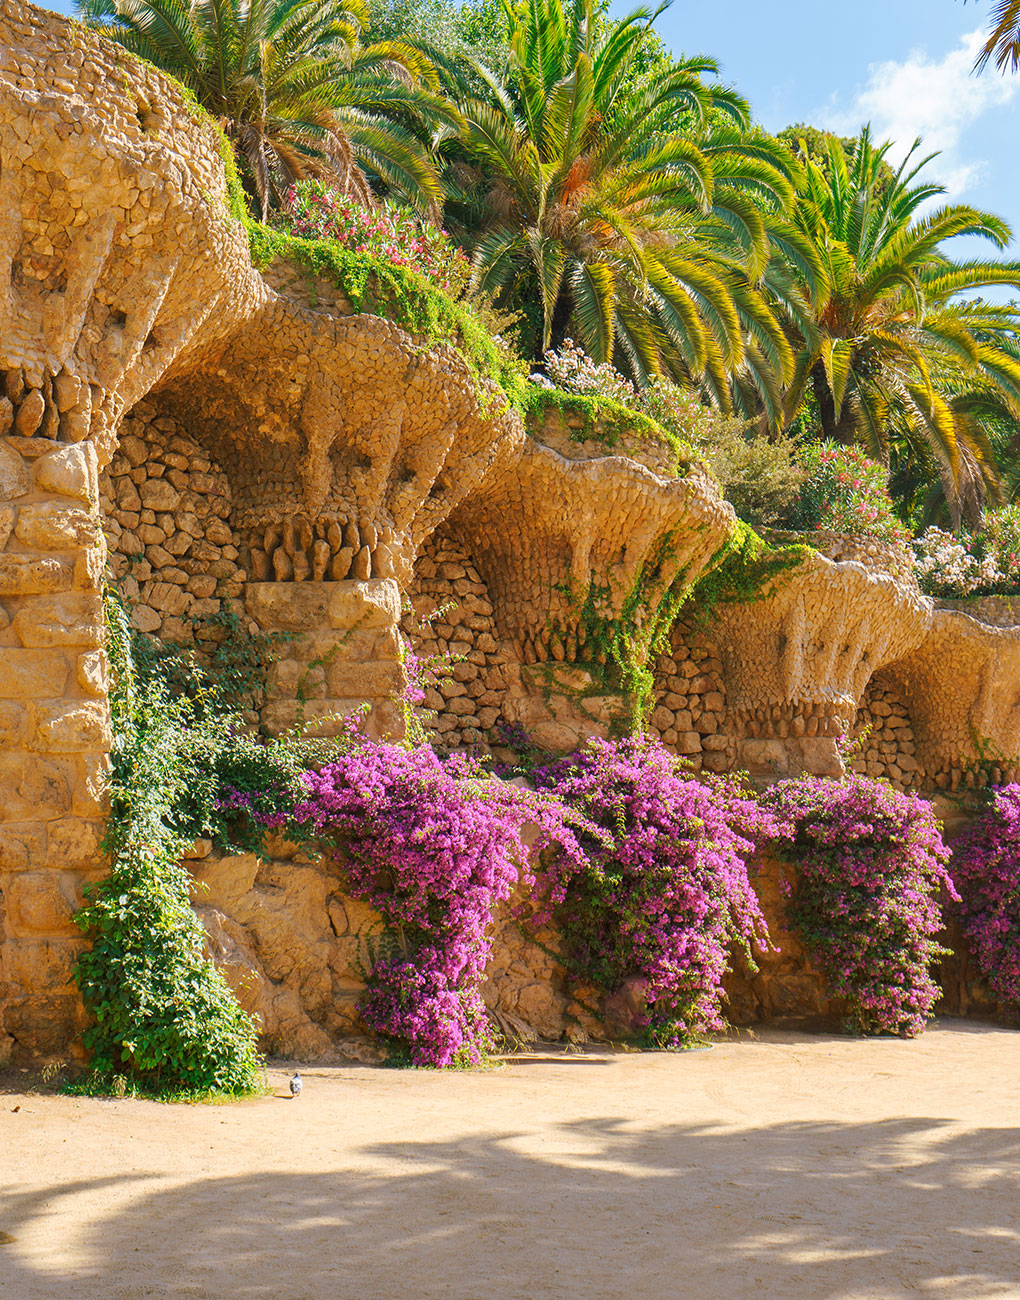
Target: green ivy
x=605, y=421
x=745, y=569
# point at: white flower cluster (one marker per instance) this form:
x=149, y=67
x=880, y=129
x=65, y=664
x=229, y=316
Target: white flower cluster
x=945, y=567
x=572, y=369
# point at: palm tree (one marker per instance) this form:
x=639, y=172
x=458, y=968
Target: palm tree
x=296, y=91
x=580, y=198
x=1003, y=37
x=891, y=353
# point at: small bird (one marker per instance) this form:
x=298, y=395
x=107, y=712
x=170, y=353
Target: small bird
x=296, y=1085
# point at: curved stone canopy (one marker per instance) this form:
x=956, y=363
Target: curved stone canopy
x=962, y=686
x=797, y=660
x=346, y=441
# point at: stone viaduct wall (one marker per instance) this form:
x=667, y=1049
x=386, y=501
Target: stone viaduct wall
x=246, y=443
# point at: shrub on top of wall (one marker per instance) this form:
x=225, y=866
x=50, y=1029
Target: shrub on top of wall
x=662, y=894
x=986, y=871
x=870, y=863
x=844, y=492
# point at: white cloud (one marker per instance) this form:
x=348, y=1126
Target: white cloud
x=937, y=100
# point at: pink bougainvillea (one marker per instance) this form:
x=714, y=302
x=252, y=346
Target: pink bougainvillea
x=870, y=865
x=986, y=871
x=433, y=845
x=663, y=894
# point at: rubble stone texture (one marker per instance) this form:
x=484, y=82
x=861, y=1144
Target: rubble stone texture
x=245, y=443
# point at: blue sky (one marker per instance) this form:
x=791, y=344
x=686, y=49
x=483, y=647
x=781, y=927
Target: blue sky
x=904, y=65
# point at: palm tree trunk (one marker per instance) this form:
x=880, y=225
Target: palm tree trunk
x=841, y=428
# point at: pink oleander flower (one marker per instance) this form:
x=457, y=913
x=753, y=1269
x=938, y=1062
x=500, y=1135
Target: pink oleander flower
x=318, y=212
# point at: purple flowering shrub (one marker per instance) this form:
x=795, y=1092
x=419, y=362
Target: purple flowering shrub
x=433, y=845
x=986, y=871
x=662, y=894
x=871, y=863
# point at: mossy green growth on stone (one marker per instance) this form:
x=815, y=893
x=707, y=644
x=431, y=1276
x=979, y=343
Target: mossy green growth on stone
x=373, y=285
x=604, y=420
x=621, y=645
x=746, y=568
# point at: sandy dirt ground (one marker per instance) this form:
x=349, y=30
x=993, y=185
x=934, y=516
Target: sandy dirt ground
x=796, y=1167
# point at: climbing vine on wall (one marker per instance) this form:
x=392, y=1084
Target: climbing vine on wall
x=661, y=895
x=434, y=846
x=986, y=871
x=164, y=1017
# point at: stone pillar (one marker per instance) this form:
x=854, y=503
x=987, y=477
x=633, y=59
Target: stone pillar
x=343, y=650
x=54, y=733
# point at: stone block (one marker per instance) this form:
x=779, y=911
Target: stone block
x=326, y=717
x=288, y=606
x=284, y=678
x=158, y=494
x=14, y=720
x=7, y=517
x=72, y=726
x=93, y=672
x=74, y=843
x=364, y=605
x=88, y=569
x=223, y=882
x=72, y=619
x=386, y=722
x=145, y=619
x=31, y=674
x=32, y=575
x=43, y=966
x=14, y=476
x=42, y=903
x=53, y=526
x=43, y=1026
x=371, y=681
x=90, y=785
x=70, y=472
x=22, y=845
x=32, y=788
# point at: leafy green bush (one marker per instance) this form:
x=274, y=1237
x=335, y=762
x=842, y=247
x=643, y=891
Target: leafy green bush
x=165, y=1018
x=759, y=476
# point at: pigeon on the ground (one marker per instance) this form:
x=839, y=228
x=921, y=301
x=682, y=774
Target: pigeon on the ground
x=295, y=1085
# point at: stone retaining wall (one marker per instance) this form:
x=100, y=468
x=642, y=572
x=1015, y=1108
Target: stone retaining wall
x=298, y=950
x=166, y=513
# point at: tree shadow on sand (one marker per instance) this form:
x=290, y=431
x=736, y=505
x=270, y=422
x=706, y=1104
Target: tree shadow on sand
x=806, y=1211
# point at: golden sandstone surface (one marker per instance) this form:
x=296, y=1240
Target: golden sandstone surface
x=232, y=436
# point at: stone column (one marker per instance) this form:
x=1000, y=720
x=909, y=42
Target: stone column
x=342, y=651
x=54, y=733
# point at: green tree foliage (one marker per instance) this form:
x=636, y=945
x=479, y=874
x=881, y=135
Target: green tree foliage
x=295, y=89
x=452, y=35
x=893, y=357
x=645, y=245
